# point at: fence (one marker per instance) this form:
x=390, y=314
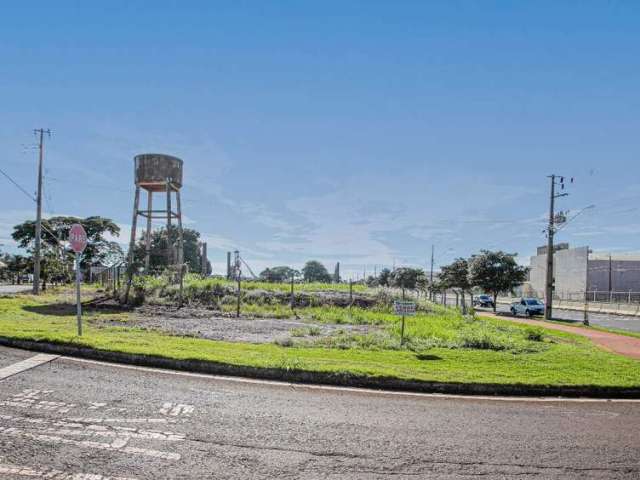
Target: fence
x=596, y=296
x=111, y=278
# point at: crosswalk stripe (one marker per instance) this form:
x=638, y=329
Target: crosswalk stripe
x=27, y=364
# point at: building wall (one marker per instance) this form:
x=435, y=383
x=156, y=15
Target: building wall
x=625, y=275
x=570, y=271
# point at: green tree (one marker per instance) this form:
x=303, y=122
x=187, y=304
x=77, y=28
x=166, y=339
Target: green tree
x=456, y=276
x=384, y=277
x=98, y=228
x=406, y=277
x=496, y=272
x=15, y=267
x=158, y=259
x=314, y=271
x=278, y=274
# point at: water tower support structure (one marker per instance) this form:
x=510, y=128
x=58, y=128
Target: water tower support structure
x=161, y=174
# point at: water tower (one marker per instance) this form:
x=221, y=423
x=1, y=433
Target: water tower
x=157, y=173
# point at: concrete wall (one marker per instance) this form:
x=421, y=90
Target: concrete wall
x=570, y=271
x=625, y=275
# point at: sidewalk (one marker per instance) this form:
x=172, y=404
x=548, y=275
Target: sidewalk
x=620, y=344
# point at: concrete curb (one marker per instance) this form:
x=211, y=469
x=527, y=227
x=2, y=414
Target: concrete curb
x=335, y=379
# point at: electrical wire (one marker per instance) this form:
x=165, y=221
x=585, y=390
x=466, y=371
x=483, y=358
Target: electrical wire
x=17, y=185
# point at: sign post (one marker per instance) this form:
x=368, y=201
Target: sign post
x=403, y=308
x=78, y=241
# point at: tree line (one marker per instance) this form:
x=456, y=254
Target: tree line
x=101, y=250
x=492, y=272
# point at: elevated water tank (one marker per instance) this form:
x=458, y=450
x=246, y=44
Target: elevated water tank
x=151, y=171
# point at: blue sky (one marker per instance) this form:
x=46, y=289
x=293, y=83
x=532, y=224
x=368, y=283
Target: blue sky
x=359, y=132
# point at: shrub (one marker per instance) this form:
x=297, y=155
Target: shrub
x=534, y=334
x=299, y=332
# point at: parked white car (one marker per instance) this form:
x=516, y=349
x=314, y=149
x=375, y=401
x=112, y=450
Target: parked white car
x=528, y=307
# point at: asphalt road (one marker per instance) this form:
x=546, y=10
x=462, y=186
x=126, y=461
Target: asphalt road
x=69, y=418
x=622, y=322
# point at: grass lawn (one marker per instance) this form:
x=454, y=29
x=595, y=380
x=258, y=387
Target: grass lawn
x=450, y=356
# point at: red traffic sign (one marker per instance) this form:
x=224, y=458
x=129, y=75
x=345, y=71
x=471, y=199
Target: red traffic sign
x=77, y=238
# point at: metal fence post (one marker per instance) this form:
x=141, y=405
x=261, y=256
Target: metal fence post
x=402, y=328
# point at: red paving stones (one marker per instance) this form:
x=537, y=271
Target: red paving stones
x=621, y=344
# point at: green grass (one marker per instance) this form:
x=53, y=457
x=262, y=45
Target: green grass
x=195, y=282
x=565, y=359
x=439, y=328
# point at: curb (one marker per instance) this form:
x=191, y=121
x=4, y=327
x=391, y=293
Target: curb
x=322, y=378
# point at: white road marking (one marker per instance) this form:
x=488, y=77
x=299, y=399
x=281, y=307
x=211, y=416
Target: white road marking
x=116, y=446
x=58, y=427
x=30, y=399
x=360, y=391
x=176, y=409
x=21, y=471
x=27, y=364
x=119, y=420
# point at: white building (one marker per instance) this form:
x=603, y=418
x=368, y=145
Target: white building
x=579, y=270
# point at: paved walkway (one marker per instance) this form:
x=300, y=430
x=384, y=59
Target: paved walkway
x=620, y=344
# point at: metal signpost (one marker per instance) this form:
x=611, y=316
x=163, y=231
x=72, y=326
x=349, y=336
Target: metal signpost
x=78, y=241
x=404, y=308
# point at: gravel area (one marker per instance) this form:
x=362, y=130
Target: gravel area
x=213, y=325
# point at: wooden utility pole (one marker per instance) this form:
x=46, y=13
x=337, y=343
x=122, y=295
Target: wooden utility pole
x=38, y=233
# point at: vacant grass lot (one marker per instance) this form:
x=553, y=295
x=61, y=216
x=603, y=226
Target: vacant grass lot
x=194, y=284
x=442, y=347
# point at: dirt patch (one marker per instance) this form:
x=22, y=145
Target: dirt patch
x=213, y=325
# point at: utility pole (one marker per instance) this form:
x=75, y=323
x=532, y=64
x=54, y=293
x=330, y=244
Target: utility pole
x=37, y=254
x=548, y=306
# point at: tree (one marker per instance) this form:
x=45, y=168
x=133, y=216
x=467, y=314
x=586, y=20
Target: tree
x=158, y=259
x=406, y=277
x=278, y=274
x=372, y=281
x=314, y=271
x=496, y=272
x=97, y=228
x=456, y=276
x=384, y=277
x=15, y=267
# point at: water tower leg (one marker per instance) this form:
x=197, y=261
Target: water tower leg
x=132, y=244
x=147, y=249
x=169, y=239
x=180, y=244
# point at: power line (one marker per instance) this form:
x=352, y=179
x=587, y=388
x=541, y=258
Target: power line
x=23, y=190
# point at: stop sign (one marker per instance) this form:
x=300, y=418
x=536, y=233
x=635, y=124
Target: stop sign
x=77, y=238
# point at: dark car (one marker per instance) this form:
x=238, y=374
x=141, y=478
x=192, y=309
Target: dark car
x=483, y=301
